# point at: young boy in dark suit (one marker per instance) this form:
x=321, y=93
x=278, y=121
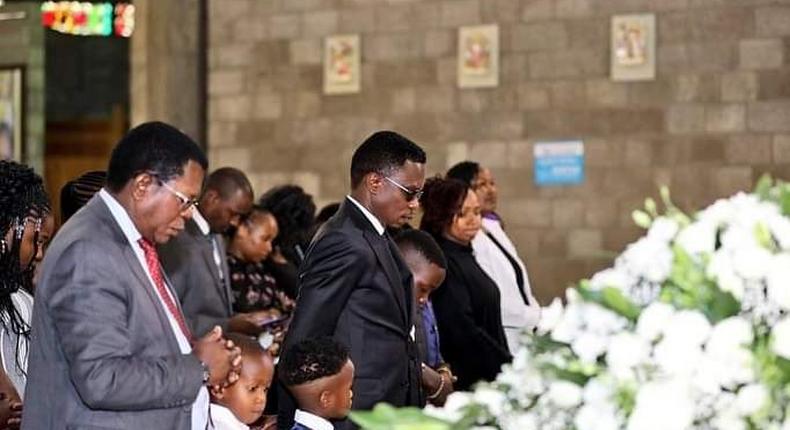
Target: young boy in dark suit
x=319, y=375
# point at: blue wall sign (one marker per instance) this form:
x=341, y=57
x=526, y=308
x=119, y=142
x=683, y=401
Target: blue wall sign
x=559, y=163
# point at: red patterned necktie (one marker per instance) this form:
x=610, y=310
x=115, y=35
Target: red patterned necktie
x=152, y=260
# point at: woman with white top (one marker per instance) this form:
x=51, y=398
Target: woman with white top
x=26, y=225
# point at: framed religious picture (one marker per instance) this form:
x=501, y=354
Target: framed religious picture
x=478, y=56
x=633, y=47
x=342, y=64
x=11, y=112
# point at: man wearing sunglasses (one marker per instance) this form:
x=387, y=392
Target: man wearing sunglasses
x=354, y=285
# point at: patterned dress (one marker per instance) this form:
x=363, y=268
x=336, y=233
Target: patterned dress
x=255, y=288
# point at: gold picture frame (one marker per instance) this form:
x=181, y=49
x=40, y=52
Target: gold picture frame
x=342, y=64
x=633, y=47
x=12, y=113
x=478, y=56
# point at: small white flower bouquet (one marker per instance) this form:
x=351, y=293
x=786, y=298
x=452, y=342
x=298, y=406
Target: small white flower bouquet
x=690, y=329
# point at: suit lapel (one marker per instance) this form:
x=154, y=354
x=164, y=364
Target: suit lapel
x=103, y=212
x=387, y=262
x=225, y=285
x=207, y=251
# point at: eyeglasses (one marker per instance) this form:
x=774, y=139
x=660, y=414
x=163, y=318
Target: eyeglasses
x=186, y=202
x=410, y=195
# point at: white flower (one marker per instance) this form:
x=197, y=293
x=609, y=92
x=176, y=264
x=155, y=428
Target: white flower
x=564, y=394
x=778, y=280
x=520, y=421
x=729, y=335
x=653, y=320
x=751, y=262
x=698, y=238
x=751, y=399
x=688, y=326
x=610, y=278
x=721, y=270
x=550, y=316
x=626, y=351
x=591, y=417
x=647, y=258
x=781, y=338
x=492, y=399
x=663, y=229
x=598, y=392
x=780, y=230
x=663, y=405
x=728, y=420
x=588, y=346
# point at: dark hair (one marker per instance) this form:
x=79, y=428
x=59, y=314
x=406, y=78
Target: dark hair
x=422, y=243
x=22, y=196
x=295, y=211
x=465, y=171
x=76, y=193
x=327, y=212
x=383, y=152
x=153, y=147
x=311, y=359
x=227, y=181
x=256, y=213
x=442, y=200
x=249, y=346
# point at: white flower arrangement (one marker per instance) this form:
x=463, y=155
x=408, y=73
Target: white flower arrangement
x=690, y=329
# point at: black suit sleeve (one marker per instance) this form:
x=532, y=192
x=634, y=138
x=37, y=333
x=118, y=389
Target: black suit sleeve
x=329, y=274
x=472, y=352
x=328, y=277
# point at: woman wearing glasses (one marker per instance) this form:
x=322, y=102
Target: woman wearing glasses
x=467, y=303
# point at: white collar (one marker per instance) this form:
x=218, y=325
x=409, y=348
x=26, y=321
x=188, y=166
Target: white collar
x=223, y=418
x=200, y=221
x=121, y=217
x=372, y=218
x=311, y=421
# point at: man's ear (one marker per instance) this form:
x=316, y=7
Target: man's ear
x=210, y=196
x=374, y=182
x=140, y=185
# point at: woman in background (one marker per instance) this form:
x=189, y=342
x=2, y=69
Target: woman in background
x=467, y=304
x=26, y=226
x=254, y=285
x=294, y=211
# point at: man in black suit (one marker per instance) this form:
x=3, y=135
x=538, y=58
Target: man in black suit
x=195, y=260
x=354, y=285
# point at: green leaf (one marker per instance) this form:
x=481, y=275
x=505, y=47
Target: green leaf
x=387, y=417
x=650, y=207
x=763, y=187
x=784, y=200
x=764, y=237
x=641, y=218
x=612, y=299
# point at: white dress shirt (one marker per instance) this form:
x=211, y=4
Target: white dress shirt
x=372, y=218
x=206, y=230
x=515, y=314
x=223, y=418
x=200, y=406
x=311, y=421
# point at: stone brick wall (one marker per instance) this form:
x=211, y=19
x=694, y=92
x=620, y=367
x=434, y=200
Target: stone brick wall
x=715, y=118
x=22, y=43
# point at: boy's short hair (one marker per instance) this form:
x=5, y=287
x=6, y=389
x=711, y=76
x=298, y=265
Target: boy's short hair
x=312, y=359
x=423, y=244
